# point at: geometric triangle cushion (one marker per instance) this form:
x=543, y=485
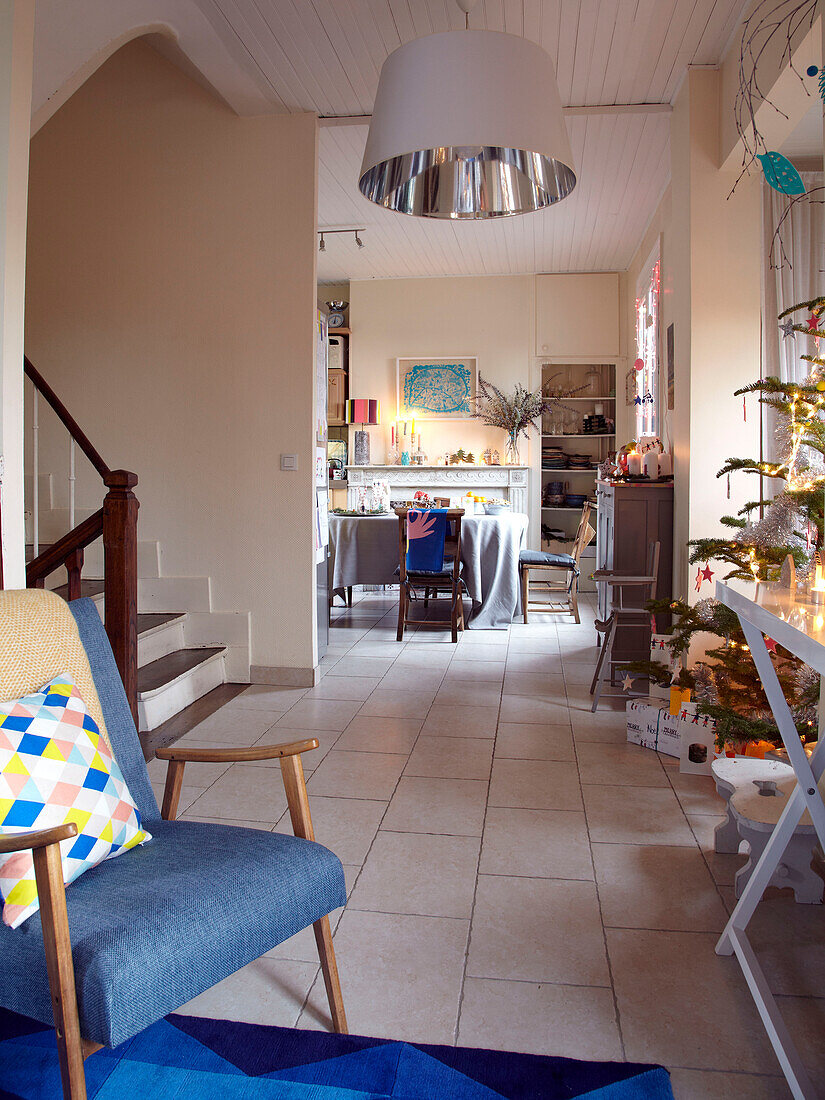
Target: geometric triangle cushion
x=55, y=767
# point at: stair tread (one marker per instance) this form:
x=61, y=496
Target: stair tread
x=165, y=669
x=185, y=720
x=87, y=588
x=148, y=620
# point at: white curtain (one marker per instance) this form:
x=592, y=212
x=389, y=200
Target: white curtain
x=797, y=278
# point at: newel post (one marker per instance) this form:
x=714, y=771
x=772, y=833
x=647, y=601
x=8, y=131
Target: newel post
x=120, y=509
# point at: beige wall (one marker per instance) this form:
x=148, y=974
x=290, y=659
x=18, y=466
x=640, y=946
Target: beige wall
x=490, y=318
x=16, y=52
x=171, y=298
x=711, y=277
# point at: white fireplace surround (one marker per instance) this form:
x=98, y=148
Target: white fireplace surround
x=509, y=482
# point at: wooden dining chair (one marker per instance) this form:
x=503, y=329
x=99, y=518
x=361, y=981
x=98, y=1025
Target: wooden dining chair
x=621, y=615
x=564, y=588
x=442, y=583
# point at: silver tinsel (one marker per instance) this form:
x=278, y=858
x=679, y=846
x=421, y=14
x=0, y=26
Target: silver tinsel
x=778, y=527
x=704, y=609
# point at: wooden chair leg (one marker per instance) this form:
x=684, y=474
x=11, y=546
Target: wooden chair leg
x=427, y=595
x=48, y=872
x=454, y=613
x=574, y=599
x=525, y=590
x=600, y=661
x=348, y=600
x=402, y=611
x=292, y=773
x=605, y=659
x=329, y=968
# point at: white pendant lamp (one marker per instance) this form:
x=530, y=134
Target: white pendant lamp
x=467, y=125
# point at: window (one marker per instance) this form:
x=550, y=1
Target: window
x=647, y=348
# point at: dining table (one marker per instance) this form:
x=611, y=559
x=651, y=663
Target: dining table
x=364, y=550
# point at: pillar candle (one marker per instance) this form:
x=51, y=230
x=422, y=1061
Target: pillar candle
x=650, y=463
x=634, y=464
x=665, y=465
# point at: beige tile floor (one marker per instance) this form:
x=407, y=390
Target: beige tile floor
x=519, y=876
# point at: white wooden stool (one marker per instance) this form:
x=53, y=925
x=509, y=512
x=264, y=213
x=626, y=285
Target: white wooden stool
x=756, y=792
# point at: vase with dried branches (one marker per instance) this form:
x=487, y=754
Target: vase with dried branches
x=517, y=412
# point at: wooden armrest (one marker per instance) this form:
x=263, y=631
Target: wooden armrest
x=39, y=838
x=185, y=755
x=181, y=755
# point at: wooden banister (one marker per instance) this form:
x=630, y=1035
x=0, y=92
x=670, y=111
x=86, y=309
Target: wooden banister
x=66, y=418
x=116, y=521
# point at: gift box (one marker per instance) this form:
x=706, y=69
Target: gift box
x=643, y=722
x=698, y=741
x=650, y=725
x=662, y=653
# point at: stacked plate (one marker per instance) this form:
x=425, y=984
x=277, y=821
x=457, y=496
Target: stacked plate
x=580, y=462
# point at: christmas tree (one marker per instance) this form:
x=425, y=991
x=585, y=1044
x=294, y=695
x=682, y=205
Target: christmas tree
x=765, y=532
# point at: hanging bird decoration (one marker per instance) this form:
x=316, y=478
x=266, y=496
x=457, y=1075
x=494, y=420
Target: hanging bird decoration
x=781, y=174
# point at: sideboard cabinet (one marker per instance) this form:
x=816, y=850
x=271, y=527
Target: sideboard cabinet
x=632, y=515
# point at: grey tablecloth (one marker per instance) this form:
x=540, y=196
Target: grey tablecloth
x=364, y=550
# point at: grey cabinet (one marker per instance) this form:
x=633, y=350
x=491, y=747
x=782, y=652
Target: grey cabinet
x=632, y=515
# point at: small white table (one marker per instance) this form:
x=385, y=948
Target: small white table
x=799, y=627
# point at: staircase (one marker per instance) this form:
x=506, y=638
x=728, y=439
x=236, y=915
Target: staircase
x=180, y=649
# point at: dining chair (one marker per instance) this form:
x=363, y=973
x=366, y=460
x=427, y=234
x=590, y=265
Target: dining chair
x=430, y=583
x=620, y=615
x=549, y=565
x=134, y=938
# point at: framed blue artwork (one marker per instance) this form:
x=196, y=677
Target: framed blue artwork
x=437, y=389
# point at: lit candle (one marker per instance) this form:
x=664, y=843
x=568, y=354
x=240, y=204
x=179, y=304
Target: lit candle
x=818, y=586
x=413, y=426
x=634, y=464
x=650, y=463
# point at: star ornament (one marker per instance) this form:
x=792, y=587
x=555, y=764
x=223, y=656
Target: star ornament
x=770, y=644
x=787, y=328
x=627, y=682
x=813, y=323
x=707, y=572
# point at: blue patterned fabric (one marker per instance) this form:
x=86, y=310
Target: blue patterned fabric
x=160, y=924
x=426, y=533
x=193, y=1059
x=164, y=922
x=541, y=557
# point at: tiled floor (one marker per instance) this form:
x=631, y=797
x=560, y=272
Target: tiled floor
x=520, y=877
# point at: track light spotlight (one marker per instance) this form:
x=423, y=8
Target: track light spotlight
x=358, y=240
x=322, y=247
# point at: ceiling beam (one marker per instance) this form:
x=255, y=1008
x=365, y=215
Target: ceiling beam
x=594, y=109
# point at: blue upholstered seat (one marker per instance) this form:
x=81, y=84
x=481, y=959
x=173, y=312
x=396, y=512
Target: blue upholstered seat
x=541, y=557
x=445, y=571
x=166, y=921
x=160, y=924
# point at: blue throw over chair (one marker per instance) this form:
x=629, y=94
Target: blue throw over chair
x=429, y=552
x=136, y=937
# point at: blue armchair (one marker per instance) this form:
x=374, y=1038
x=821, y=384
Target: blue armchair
x=136, y=937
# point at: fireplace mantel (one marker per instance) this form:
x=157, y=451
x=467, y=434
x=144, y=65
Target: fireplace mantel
x=510, y=481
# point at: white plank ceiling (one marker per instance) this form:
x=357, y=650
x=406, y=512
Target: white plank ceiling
x=325, y=56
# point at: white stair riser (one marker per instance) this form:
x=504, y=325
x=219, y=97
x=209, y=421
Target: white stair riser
x=174, y=594
x=156, y=707
x=160, y=641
